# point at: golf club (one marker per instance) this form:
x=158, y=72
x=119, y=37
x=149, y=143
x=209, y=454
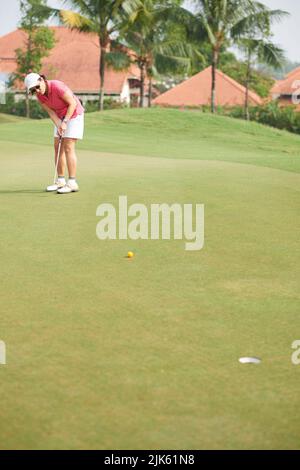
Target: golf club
x=57, y=159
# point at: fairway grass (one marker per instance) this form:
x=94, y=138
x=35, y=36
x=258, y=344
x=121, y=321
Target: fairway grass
x=109, y=353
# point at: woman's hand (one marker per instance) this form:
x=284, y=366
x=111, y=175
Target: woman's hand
x=62, y=127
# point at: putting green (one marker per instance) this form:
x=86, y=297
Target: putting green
x=105, y=352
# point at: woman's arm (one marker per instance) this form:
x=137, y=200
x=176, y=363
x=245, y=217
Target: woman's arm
x=71, y=102
x=72, y=105
x=52, y=114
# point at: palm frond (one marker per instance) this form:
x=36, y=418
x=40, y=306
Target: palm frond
x=118, y=60
x=177, y=65
x=257, y=21
x=84, y=7
x=76, y=21
x=127, y=6
x=271, y=54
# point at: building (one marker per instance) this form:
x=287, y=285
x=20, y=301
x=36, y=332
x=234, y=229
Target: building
x=196, y=91
x=74, y=60
x=287, y=91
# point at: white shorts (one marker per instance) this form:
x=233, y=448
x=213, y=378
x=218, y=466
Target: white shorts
x=75, y=128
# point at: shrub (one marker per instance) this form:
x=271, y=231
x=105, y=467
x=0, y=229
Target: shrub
x=109, y=103
x=271, y=114
x=37, y=112
x=19, y=108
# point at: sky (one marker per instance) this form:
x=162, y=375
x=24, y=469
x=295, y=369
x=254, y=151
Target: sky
x=286, y=33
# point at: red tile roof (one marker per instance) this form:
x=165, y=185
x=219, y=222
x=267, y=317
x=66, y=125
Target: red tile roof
x=276, y=87
x=288, y=85
x=8, y=44
x=294, y=72
x=74, y=60
x=196, y=91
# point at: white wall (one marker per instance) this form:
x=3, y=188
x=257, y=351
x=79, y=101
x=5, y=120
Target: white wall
x=125, y=94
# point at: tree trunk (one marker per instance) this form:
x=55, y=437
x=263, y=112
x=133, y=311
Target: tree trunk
x=29, y=49
x=213, y=81
x=102, y=75
x=150, y=93
x=142, y=85
x=248, y=77
x=27, y=105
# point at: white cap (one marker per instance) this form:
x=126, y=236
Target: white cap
x=31, y=80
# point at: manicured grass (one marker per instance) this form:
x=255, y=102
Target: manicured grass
x=103, y=352
x=175, y=134
x=7, y=118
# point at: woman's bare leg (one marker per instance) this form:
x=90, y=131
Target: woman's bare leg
x=69, y=150
x=62, y=160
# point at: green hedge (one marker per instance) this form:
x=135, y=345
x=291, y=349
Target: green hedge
x=271, y=114
x=37, y=112
x=19, y=108
x=109, y=103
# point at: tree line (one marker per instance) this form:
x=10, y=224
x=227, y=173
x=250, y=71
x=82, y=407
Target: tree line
x=159, y=36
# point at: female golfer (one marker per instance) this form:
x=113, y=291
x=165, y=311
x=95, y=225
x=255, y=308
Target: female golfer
x=67, y=114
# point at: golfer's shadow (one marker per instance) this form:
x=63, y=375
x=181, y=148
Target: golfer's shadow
x=22, y=191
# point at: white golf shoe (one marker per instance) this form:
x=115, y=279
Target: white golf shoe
x=70, y=187
x=57, y=185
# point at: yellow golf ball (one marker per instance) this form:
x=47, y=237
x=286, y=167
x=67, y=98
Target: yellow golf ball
x=129, y=254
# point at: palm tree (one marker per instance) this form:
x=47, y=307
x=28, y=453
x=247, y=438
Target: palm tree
x=152, y=43
x=256, y=44
x=223, y=21
x=105, y=18
x=262, y=51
